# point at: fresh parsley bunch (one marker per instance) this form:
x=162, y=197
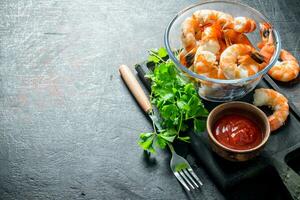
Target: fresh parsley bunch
x=177, y=101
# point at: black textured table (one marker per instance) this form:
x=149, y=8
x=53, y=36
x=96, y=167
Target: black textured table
x=68, y=126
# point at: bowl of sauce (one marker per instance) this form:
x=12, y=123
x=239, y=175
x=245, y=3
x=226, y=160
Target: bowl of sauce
x=237, y=130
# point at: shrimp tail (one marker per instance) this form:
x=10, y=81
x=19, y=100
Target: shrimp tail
x=187, y=58
x=255, y=55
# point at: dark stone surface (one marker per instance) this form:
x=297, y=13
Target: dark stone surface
x=68, y=126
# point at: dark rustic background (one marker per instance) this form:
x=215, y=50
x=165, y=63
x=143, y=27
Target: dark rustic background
x=68, y=126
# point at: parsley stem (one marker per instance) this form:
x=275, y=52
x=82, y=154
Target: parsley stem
x=179, y=124
x=157, y=56
x=151, y=96
x=196, y=117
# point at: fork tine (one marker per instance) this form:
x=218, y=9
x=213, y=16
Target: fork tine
x=189, y=176
x=181, y=181
x=195, y=176
x=186, y=179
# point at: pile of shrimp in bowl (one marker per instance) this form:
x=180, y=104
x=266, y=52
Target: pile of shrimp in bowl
x=216, y=45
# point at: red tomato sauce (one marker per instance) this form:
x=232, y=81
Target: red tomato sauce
x=237, y=132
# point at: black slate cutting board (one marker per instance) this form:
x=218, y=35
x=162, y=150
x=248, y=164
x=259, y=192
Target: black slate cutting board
x=228, y=174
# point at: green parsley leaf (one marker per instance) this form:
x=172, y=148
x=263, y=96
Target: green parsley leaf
x=178, y=103
x=162, y=52
x=199, y=125
x=161, y=142
x=153, y=59
x=169, y=111
x=146, y=141
x=169, y=135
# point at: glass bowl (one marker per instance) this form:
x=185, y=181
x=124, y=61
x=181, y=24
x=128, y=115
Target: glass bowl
x=216, y=89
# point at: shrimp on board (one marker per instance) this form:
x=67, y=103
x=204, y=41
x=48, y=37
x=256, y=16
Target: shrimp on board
x=285, y=70
x=277, y=102
x=240, y=61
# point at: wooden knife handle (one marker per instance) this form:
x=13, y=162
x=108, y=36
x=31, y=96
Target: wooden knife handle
x=135, y=88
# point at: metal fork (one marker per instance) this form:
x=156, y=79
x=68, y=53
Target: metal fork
x=183, y=171
x=180, y=167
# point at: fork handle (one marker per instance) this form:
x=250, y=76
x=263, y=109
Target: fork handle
x=135, y=88
x=171, y=148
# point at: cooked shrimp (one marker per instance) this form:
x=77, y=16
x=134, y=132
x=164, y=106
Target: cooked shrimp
x=210, y=39
x=244, y=25
x=233, y=37
x=190, y=33
x=205, y=63
x=192, y=28
x=239, y=61
x=187, y=58
x=266, y=45
x=277, y=102
x=285, y=70
x=205, y=17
